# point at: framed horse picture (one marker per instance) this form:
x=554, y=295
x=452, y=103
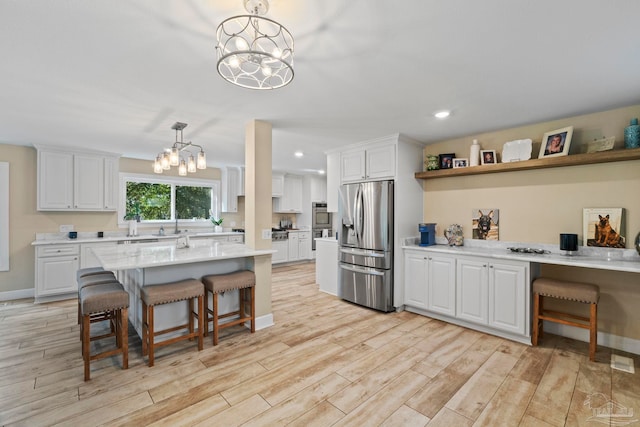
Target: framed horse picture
x=485, y=224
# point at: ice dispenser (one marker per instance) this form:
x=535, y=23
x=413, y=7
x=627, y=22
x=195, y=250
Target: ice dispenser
x=427, y=234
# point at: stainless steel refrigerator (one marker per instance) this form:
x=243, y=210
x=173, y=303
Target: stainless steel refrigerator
x=365, y=273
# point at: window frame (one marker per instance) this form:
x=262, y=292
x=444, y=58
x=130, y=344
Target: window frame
x=214, y=184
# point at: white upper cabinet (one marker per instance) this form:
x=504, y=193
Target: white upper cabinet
x=291, y=200
x=230, y=182
x=76, y=181
x=373, y=162
x=277, y=184
x=318, y=189
x=241, y=181
x=333, y=180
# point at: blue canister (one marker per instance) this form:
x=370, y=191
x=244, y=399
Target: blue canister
x=632, y=135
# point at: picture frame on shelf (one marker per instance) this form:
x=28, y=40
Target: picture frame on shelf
x=460, y=163
x=556, y=143
x=488, y=157
x=446, y=160
x=603, y=227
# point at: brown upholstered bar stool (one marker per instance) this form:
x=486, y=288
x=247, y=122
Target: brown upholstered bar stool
x=152, y=295
x=90, y=279
x=573, y=291
x=245, y=282
x=107, y=301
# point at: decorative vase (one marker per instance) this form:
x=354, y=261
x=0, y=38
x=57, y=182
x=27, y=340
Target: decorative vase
x=637, y=243
x=474, y=153
x=217, y=229
x=632, y=135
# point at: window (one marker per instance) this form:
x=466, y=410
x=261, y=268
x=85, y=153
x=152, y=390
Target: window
x=167, y=198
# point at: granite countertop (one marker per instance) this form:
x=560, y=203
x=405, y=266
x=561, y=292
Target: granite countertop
x=91, y=237
x=144, y=255
x=590, y=257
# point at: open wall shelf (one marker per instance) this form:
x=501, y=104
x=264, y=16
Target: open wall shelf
x=551, y=162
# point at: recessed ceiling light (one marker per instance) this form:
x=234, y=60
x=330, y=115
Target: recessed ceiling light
x=298, y=154
x=321, y=172
x=442, y=114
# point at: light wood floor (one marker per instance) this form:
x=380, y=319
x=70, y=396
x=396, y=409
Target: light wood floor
x=325, y=362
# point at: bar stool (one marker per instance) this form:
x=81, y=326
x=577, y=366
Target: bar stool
x=152, y=295
x=92, y=278
x=107, y=301
x=573, y=291
x=245, y=282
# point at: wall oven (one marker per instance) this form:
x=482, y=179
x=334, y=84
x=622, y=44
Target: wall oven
x=320, y=218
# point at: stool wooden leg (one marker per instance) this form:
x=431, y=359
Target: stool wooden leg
x=206, y=313
x=202, y=314
x=150, y=335
x=145, y=329
x=215, y=319
x=253, y=309
x=536, y=319
x=593, y=332
x=191, y=317
x=124, y=336
x=86, y=342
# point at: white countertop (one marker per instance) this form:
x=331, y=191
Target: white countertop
x=590, y=257
x=144, y=255
x=91, y=237
x=326, y=239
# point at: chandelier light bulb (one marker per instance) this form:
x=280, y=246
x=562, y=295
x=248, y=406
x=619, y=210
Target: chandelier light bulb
x=202, y=160
x=191, y=164
x=165, y=162
x=234, y=62
x=266, y=70
x=182, y=168
x=174, y=157
x=277, y=53
x=241, y=44
x=157, y=165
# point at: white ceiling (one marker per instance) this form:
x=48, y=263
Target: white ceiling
x=115, y=75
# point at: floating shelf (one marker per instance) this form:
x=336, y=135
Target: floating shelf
x=551, y=162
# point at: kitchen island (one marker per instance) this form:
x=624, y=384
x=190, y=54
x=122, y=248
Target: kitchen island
x=148, y=264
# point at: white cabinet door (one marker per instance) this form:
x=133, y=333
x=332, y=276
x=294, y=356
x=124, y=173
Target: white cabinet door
x=229, y=193
x=294, y=250
x=416, y=279
x=381, y=162
x=56, y=267
x=282, y=248
x=352, y=166
x=277, y=185
x=472, y=290
x=291, y=200
x=507, y=297
x=237, y=238
x=241, y=181
x=88, y=182
x=441, y=297
x=304, y=245
x=318, y=189
x=55, y=180
x=111, y=169
x=333, y=181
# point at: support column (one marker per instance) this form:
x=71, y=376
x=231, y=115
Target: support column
x=258, y=210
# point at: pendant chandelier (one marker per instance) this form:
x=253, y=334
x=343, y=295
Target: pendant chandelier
x=253, y=51
x=174, y=156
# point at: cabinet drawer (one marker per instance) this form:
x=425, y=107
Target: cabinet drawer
x=57, y=250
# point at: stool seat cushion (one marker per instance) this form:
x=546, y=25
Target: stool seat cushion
x=88, y=271
x=218, y=283
x=170, y=292
x=104, y=297
x=574, y=291
x=96, y=279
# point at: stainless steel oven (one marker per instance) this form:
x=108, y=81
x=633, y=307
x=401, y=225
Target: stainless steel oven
x=320, y=218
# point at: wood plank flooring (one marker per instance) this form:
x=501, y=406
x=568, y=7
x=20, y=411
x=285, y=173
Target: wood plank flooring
x=325, y=362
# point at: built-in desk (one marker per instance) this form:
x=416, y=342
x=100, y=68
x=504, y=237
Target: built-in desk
x=148, y=264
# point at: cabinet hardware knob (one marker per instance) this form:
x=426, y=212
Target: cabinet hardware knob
x=484, y=265
x=491, y=266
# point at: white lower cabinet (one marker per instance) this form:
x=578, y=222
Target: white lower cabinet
x=430, y=282
x=304, y=244
x=282, y=254
x=56, y=267
x=492, y=295
x=294, y=250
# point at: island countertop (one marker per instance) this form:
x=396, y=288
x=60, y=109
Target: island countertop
x=144, y=255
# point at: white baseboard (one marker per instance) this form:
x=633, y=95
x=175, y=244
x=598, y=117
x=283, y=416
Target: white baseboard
x=19, y=294
x=629, y=345
x=265, y=321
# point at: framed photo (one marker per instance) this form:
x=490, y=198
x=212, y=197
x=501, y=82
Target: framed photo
x=485, y=224
x=556, y=143
x=488, y=157
x=603, y=227
x=460, y=163
x=446, y=160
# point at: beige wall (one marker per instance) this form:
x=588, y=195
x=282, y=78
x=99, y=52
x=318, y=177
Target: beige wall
x=535, y=206
x=25, y=221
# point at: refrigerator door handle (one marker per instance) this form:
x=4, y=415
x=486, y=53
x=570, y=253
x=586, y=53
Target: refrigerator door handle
x=357, y=215
x=362, y=252
x=363, y=270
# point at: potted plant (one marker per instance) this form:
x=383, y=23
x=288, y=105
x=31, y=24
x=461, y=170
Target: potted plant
x=217, y=224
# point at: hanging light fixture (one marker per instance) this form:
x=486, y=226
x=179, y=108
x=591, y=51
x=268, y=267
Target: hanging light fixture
x=253, y=51
x=173, y=156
